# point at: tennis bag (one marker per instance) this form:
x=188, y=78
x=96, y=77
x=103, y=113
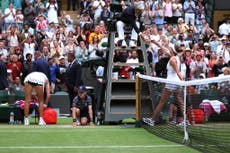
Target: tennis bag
x=50, y=116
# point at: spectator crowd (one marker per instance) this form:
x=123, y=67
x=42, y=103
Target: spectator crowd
x=27, y=26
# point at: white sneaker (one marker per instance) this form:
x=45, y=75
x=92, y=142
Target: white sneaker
x=123, y=44
x=41, y=122
x=184, y=123
x=78, y=123
x=148, y=121
x=26, y=121
x=132, y=44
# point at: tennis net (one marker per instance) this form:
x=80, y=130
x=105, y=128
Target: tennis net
x=195, y=112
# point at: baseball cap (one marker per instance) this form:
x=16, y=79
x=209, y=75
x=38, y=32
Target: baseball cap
x=82, y=89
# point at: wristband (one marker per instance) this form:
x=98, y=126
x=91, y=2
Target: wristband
x=90, y=120
x=75, y=120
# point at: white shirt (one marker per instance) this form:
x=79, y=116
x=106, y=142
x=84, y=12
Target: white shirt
x=224, y=29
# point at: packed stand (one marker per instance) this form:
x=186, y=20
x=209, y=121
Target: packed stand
x=27, y=26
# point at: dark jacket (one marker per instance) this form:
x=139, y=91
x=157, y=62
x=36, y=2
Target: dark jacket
x=41, y=65
x=3, y=76
x=128, y=16
x=73, y=76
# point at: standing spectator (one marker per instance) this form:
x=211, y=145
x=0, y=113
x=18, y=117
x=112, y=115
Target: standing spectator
x=19, y=19
x=73, y=77
x=41, y=22
x=97, y=7
x=54, y=71
x=189, y=10
x=147, y=15
x=52, y=13
x=29, y=14
x=105, y=14
x=56, y=50
x=13, y=37
x=29, y=44
x=39, y=4
x=61, y=76
x=84, y=6
x=71, y=3
x=10, y=13
x=3, y=77
x=168, y=11
x=177, y=11
x=158, y=16
x=26, y=66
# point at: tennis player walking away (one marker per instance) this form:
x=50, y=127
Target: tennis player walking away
x=37, y=81
x=173, y=73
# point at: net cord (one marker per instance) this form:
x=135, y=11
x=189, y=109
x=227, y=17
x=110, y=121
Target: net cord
x=187, y=83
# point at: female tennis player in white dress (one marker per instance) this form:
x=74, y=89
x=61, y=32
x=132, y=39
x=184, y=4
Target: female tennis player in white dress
x=37, y=81
x=173, y=74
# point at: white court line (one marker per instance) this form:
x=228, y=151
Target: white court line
x=89, y=147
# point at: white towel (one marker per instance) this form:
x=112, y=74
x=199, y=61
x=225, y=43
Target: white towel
x=216, y=104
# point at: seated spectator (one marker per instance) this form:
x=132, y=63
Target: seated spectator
x=82, y=52
x=181, y=26
x=15, y=66
x=85, y=19
x=217, y=67
x=3, y=51
x=68, y=22
x=101, y=28
x=80, y=36
x=70, y=46
x=17, y=85
x=82, y=111
x=56, y=50
x=46, y=53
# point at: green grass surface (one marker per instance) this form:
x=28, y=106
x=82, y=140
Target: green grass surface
x=63, y=138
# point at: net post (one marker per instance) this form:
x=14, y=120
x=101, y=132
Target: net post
x=186, y=137
x=137, y=86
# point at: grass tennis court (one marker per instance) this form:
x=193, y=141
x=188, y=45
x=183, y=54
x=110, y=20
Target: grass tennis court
x=63, y=138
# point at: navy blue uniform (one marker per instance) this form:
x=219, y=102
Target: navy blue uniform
x=82, y=105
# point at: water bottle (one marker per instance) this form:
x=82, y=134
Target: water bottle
x=11, y=118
